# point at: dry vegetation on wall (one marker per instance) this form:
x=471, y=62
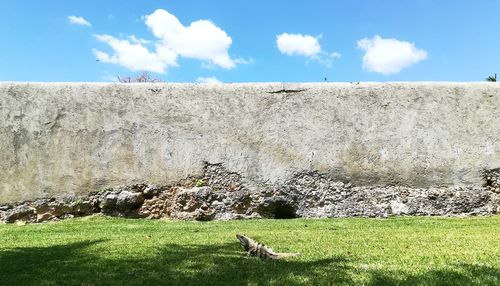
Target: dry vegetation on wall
x=144, y=77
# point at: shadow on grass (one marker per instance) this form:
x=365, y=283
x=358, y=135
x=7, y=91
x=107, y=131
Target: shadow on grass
x=461, y=274
x=223, y=264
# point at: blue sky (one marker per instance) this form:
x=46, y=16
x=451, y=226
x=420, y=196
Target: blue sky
x=250, y=41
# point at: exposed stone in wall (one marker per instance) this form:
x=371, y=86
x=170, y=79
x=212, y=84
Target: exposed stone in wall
x=221, y=195
x=492, y=180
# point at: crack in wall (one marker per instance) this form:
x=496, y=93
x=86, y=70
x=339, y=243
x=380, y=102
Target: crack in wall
x=287, y=91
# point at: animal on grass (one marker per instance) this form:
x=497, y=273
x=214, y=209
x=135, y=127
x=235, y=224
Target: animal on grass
x=254, y=248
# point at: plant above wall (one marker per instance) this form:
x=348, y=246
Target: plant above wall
x=492, y=78
x=144, y=77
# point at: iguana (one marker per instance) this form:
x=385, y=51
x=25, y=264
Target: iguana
x=254, y=248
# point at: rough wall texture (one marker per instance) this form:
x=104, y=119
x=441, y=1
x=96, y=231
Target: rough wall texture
x=222, y=195
x=58, y=139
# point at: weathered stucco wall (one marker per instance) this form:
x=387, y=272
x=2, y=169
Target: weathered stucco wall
x=63, y=138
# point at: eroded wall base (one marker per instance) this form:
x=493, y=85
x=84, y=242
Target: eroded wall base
x=221, y=195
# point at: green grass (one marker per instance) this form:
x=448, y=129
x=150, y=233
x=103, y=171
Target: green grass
x=113, y=251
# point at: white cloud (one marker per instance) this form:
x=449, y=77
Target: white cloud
x=201, y=40
x=76, y=20
x=134, y=56
x=136, y=40
x=305, y=45
x=210, y=80
x=335, y=55
x=389, y=56
x=109, y=78
x=298, y=44
x=243, y=61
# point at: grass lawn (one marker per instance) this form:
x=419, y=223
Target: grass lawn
x=114, y=251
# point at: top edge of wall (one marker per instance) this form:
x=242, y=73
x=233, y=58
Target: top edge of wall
x=285, y=84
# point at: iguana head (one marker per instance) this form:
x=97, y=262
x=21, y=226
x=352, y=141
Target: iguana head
x=245, y=242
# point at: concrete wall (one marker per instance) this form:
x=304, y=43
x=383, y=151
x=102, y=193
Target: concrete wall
x=62, y=138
